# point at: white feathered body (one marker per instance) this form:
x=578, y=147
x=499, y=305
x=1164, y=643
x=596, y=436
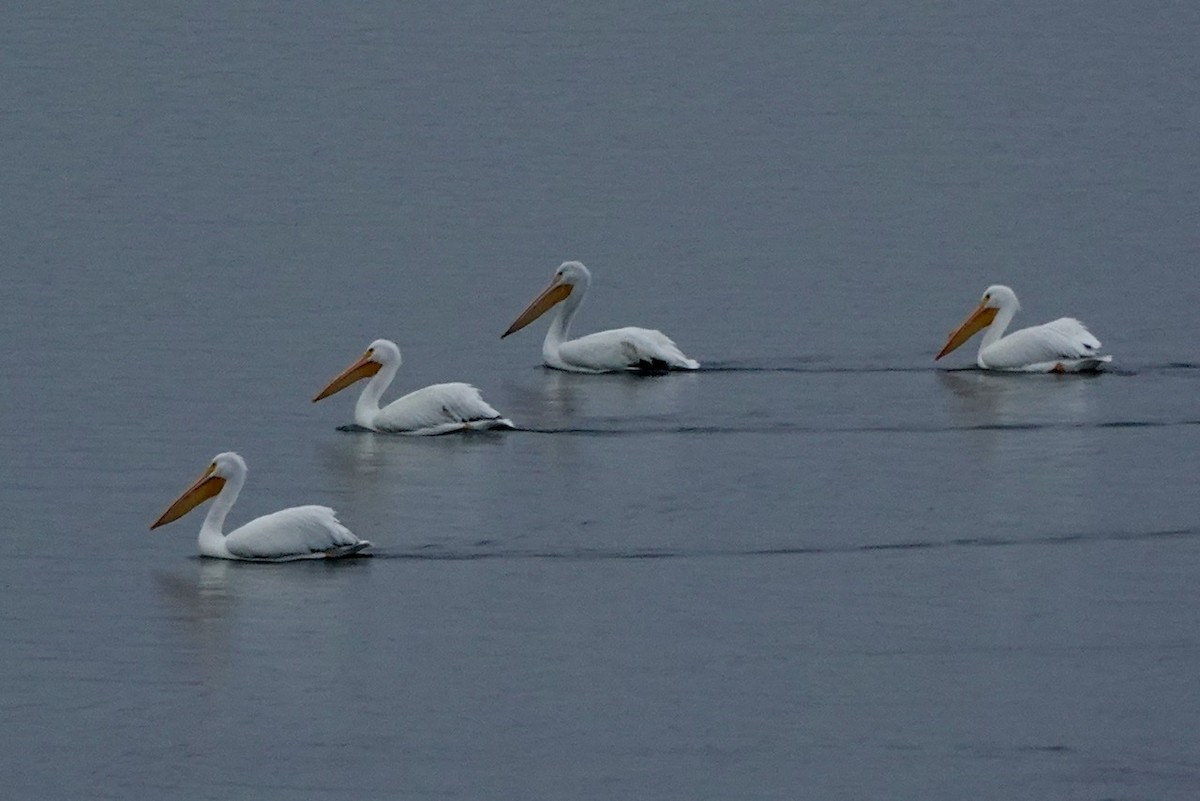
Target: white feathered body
x=1062, y=345
x=301, y=532
x=617, y=350
x=436, y=409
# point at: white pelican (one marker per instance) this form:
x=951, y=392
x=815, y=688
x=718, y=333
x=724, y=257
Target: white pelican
x=436, y=409
x=302, y=532
x=639, y=349
x=1059, y=346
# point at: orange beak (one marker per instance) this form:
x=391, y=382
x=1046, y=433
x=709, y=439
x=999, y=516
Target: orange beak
x=205, y=487
x=551, y=296
x=365, y=367
x=980, y=319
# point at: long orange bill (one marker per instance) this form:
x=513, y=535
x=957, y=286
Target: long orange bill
x=205, y=487
x=552, y=295
x=980, y=319
x=365, y=367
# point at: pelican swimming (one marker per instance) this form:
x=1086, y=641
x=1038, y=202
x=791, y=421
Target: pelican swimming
x=436, y=409
x=302, y=532
x=621, y=349
x=1060, y=346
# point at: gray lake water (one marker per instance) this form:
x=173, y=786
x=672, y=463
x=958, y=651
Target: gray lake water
x=823, y=567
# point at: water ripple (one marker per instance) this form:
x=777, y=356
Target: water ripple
x=822, y=365
x=783, y=427
x=488, y=550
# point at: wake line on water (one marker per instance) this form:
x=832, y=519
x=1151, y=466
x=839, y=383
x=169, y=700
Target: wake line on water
x=788, y=428
x=816, y=368
x=431, y=553
x=793, y=428
x=736, y=368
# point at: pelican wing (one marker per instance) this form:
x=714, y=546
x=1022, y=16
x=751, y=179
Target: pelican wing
x=625, y=349
x=439, y=409
x=1042, y=346
x=302, y=532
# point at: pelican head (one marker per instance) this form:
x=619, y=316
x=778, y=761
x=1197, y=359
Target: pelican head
x=224, y=467
x=381, y=353
x=566, y=278
x=995, y=298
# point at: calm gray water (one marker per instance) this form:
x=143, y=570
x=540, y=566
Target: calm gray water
x=820, y=568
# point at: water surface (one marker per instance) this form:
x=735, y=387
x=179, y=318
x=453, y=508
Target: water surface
x=820, y=567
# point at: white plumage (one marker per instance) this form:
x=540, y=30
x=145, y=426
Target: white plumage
x=436, y=409
x=617, y=350
x=1040, y=348
x=301, y=532
x=1060, y=346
